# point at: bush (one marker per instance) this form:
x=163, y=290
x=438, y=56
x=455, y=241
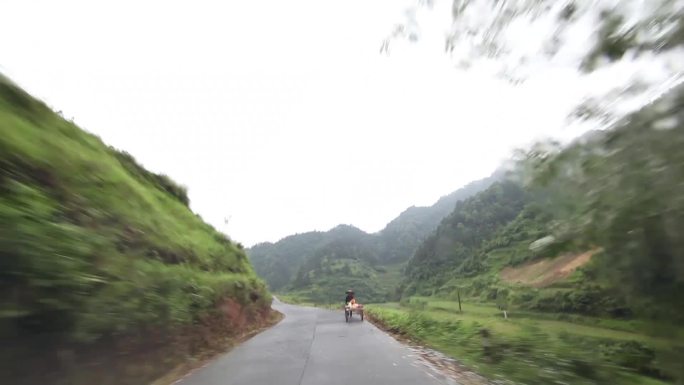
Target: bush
x=629, y=354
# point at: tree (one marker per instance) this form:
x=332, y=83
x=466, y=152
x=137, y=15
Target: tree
x=518, y=38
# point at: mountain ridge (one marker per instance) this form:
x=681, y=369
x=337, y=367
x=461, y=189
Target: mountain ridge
x=280, y=263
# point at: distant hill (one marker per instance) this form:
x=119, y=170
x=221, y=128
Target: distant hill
x=315, y=261
x=400, y=238
x=277, y=263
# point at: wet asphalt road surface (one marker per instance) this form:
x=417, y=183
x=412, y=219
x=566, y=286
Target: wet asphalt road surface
x=312, y=346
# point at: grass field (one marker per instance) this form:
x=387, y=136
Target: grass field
x=533, y=348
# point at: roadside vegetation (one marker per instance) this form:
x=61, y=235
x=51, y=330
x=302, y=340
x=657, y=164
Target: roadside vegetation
x=529, y=347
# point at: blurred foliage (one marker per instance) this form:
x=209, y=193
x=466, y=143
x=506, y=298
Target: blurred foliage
x=633, y=26
x=93, y=245
x=624, y=191
x=524, y=39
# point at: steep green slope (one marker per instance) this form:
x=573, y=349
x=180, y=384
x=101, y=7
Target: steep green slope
x=95, y=248
x=374, y=260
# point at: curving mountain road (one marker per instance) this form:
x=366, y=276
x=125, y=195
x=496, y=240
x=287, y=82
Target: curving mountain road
x=313, y=347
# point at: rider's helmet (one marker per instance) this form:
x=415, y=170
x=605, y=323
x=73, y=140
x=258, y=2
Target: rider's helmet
x=350, y=291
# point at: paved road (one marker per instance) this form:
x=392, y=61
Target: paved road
x=316, y=347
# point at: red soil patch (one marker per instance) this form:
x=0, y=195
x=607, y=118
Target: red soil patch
x=233, y=313
x=546, y=272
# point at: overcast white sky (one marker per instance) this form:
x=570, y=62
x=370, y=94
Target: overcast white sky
x=281, y=115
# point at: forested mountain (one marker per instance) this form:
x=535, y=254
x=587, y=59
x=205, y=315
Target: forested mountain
x=101, y=255
x=347, y=259
x=286, y=264
x=399, y=239
x=278, y=262
x=453, y=247
x=609, y=204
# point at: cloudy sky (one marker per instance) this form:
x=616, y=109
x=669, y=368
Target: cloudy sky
x=282, y=116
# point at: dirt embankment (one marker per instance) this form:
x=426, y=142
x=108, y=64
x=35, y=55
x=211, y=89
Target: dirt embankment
x=546, y=272
x=156, y=356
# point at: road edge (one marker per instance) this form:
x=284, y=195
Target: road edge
x=447, y=366
x=193, y=364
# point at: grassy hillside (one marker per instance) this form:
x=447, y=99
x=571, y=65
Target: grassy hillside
x=318, y=266
x=97, y=249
